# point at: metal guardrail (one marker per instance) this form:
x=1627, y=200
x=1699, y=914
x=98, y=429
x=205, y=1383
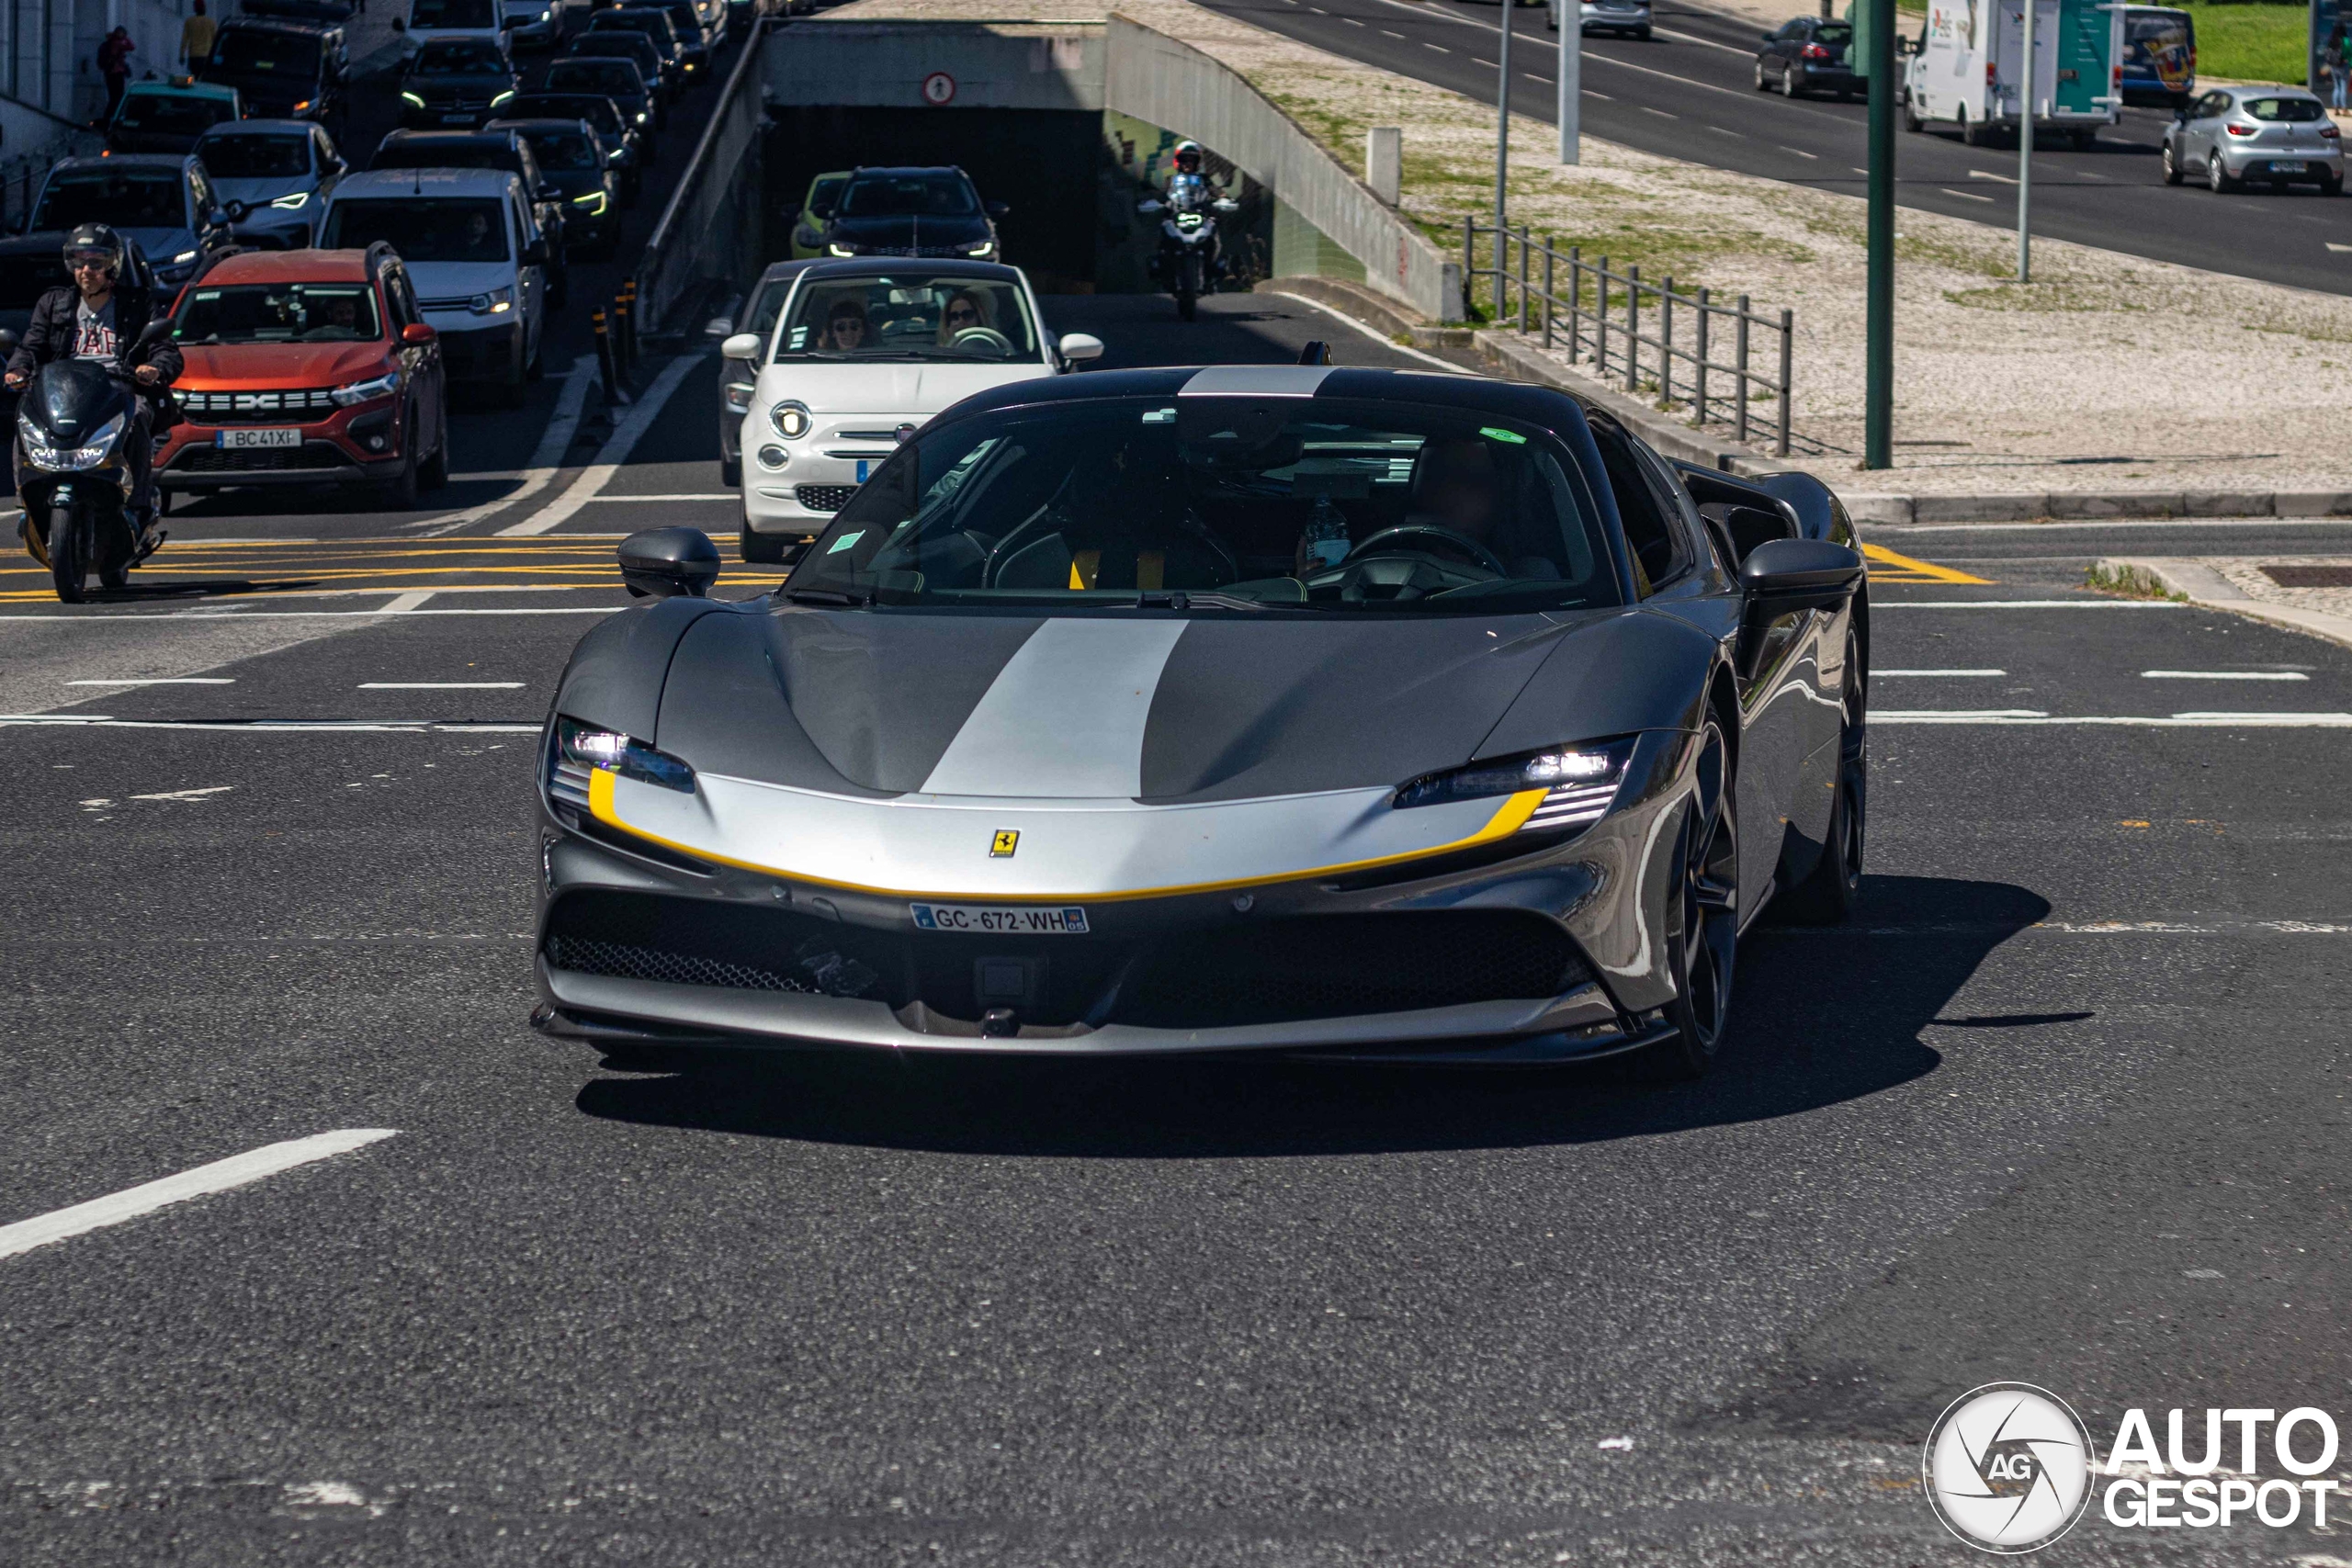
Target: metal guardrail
x=706, y=199
x=1542, y=307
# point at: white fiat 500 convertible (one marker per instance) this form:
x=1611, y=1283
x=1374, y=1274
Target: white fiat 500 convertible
x=861, y=355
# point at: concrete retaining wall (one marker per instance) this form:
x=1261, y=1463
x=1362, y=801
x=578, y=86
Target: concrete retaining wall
x=1157, y=78
x=922, y=66
x=709, y=230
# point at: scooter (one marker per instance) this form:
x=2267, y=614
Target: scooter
x=1188, y=265
x=74, y=420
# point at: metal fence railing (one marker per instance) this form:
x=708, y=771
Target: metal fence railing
x=1598, y=310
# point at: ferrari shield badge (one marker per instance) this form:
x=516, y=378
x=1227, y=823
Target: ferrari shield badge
x=1007, y=839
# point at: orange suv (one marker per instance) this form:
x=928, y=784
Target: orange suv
x=306, y=367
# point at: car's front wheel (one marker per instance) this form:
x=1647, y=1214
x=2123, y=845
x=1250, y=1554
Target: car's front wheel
x=2171, y=164
x=760, y=550
x=1702, y=919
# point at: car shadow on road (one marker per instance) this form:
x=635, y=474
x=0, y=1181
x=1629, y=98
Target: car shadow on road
x=1823, y=1016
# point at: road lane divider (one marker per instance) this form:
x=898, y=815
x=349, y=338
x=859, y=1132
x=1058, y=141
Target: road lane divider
x=546, y=462
x=2031, y=719
x=625, y=435
x=220, y=1176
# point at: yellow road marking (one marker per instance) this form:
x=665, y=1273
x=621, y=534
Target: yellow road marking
x=1903, y=569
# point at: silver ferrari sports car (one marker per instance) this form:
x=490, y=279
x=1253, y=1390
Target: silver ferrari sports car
x=1322, y=711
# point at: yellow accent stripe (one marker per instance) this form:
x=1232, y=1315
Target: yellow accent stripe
x=1905, y=569
x=1509, y=819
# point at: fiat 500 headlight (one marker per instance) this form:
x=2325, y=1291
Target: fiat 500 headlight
x=792, y=421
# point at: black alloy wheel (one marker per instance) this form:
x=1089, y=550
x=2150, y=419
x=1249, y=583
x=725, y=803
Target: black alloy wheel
x=763, y=549
x=1829, y=892
x=398, y=492
x=1703, y=915
x=435, y=472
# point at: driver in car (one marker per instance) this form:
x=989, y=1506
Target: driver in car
x=966, y=310
x=845, y=327
x=95, y=320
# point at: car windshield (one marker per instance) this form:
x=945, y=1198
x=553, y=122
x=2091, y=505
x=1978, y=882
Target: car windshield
x=597, y=110
x=564, y=149
x=909, y=316
x=459, y=57
x=254, y=157
x=171, y=114
x=1834, y=35
x=605, y=41
x=909, y=195
x=2159, y=28
x=2289, y=112
x=428, y=229
x=265, y=53
x=1226, y=503
x=825, y=194
x=467, y=154
x=652, y=24
x=605, y=76
x=125, y=200
x=453, y=14
x=281, y=313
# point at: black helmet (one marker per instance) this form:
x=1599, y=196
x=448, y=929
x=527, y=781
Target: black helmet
x=1188, y=157
x=87, y=242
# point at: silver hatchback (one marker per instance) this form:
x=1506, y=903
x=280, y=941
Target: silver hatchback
x=2233, y=136
x=1631, y=17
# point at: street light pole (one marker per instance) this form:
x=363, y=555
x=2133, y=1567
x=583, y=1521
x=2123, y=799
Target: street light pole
x=1502, y=138
x=1878, y=380
x=2025, y=153
x=1570, y=71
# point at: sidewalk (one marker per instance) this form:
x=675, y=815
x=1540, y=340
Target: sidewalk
x=2314, y=596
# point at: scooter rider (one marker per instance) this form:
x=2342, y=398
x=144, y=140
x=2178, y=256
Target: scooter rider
x=97, y=319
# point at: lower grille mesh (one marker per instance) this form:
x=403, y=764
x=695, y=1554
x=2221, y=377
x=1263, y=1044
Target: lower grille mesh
x=824, y=498
x=620, y=961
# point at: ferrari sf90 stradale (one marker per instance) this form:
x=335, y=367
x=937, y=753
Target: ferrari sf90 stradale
x=1333, y=712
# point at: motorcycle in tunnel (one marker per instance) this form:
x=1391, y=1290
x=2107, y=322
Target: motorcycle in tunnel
x=1188, y=263
x=73, y=476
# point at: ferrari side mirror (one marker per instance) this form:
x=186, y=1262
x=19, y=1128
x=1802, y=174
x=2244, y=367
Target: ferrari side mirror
x=1783, y=576
x=662, y=563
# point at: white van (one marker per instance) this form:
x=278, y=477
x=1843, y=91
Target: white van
x=1967, y=68
x=475, y=257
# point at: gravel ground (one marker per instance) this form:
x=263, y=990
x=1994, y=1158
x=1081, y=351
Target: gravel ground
x=1992, y=378
x=2249, y=576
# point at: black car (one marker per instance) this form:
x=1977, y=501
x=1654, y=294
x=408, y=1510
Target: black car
x=624, y=141
x=686, y=24
x=490, y=149
x=570, y=157
x=621, y=80
x=1809, y=55
x=456, y=82
x=912, y=212
x=659, y=58
x=283, y=70
x=1475, y=737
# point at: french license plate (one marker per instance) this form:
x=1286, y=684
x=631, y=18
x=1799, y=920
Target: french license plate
x=1001, y=919
x=457, y=119
x=2285, y=165
x=233, y=439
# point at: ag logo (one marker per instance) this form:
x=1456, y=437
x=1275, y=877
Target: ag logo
x=1007, y=839
x=2007, y=1468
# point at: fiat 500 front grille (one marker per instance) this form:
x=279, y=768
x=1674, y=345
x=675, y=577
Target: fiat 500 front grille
x=824, y=498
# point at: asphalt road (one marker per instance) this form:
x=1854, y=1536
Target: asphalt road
x=2065, y=1102
x=1689, y=93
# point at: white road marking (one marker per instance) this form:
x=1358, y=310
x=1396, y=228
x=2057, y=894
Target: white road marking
x=631, y=430
x=1694, y=38
x=1964, y=195
x=1487, y=64
x=205, y=794
x=2331, y=245
x=1946, y=675
x=2176, y=721
x=1660, y=113
x=681, y=495
x=2031, y=604
x=1391, y=347
x=1439, y=47
x=1728, y=131
x=164, y=680
x=546, y=462
x=1533, y=77
x=1950, y=716
x=308, y=615
x=2089, y=928
x=2223, y=675
x=220, y=1176
x=1399, y=37
x=1604, y=97
x=1989, y=175
x=440, y=685
x=2070, y=525
x=1802, y=153
x=269, y=725
x=406, y=604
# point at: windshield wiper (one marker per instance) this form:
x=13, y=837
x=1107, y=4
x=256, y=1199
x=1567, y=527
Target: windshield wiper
x=1189, y=599
x=829, y=596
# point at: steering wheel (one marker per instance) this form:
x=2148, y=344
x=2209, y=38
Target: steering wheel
x=987, y=337
x=1462, y=542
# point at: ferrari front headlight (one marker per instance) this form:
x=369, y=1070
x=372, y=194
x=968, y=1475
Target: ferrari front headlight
x=581, y=749
x=1580, y=783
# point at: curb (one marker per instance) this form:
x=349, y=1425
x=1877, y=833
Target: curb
x=2205, y=587
x=2046, y=505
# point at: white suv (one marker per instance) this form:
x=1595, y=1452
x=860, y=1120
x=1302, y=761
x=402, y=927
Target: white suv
x=862, y=352
x=475, y=257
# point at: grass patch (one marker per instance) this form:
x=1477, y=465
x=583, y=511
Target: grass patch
x=2040, y=296
x=2130, y=582
x=2251, y=42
